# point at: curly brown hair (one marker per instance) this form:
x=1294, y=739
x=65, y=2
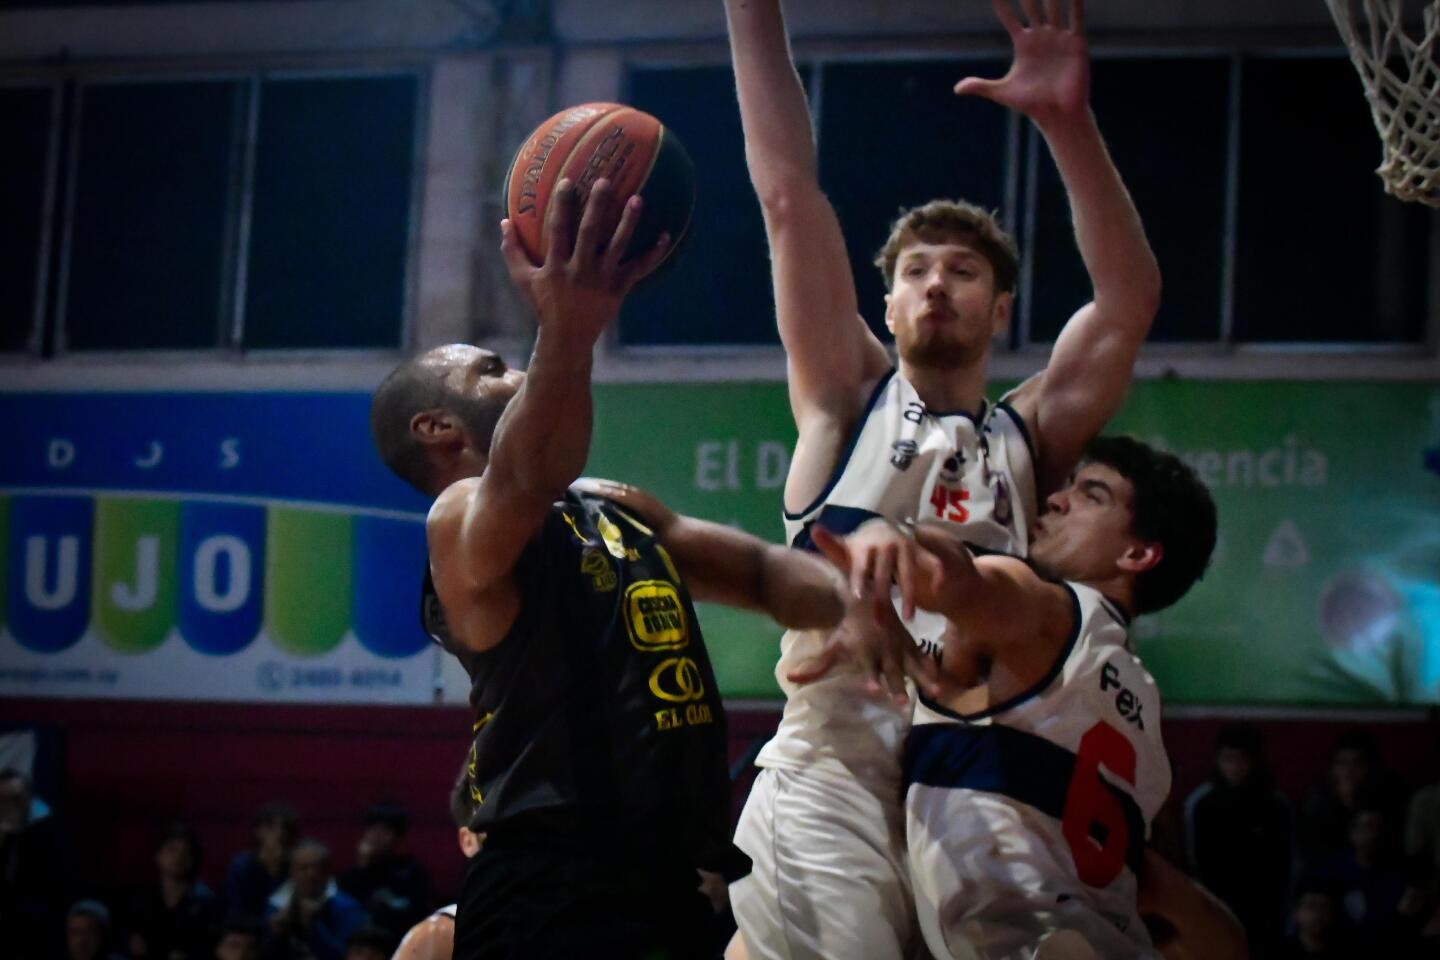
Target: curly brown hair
x=942, y=220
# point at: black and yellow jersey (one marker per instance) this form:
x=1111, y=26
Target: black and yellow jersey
x=597, y=720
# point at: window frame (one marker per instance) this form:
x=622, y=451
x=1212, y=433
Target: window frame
x=34, y=337
x=1221, y=359
x=227, y=348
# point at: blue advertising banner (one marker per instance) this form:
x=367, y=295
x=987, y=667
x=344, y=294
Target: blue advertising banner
x=211, y=546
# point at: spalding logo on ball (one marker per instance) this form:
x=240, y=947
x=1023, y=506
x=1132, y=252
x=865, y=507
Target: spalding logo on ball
x=628, y=147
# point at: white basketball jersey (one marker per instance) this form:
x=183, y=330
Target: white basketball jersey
x=904, y=461
x=1032, y=815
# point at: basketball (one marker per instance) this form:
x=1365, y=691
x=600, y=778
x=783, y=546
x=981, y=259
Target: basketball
x=629, y=147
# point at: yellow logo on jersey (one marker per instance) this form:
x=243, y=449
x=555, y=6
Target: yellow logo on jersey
x=471, y=766
x=574, y=528
x=655, y=616
x=613, y=541
x=677, y=680
x=594, y=565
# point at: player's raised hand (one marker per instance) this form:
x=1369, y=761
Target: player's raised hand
x=1049, y=78
x=581, y=283
x=876, y=555
x=872, y=642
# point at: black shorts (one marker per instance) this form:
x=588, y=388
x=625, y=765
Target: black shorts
x=531, y=903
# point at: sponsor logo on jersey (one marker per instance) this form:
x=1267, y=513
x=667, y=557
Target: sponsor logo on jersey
x=614, y=542
x=953, y=467
x=594, y=565
x=904, y=453
x=656, y=616
x=679, y=680
x=1126, y=703
x=575, y=528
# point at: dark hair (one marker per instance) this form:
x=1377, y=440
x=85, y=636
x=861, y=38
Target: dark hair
x=370, y=935
x=244, y=924
x=26, y=784
x=462, y=806
x=310, y=843
x=1358, y=738
x=185, y=834
x=281, y=813
x=413, y=387
x=941, y=220
x=1172, y=507
x=387, y=814
x=1315, y=882
x=1241, y=736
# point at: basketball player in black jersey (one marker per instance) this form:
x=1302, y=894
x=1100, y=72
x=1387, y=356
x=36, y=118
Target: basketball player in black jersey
x=598, y=766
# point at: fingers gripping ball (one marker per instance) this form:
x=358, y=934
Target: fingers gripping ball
x=629, y=147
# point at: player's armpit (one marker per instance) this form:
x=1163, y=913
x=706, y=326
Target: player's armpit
x=476, y=533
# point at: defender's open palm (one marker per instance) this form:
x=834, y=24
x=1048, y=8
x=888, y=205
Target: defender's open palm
x=580, y=285
x=1050, y=75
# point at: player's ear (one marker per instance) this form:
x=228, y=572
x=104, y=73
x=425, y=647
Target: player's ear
x=1001, y=311
x=889, y=318
x=436, y=427
x=1141, y=556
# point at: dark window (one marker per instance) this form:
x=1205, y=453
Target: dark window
x=716, y=288
x=1323, y=253
x=25, y=131
x=331, y=213
x=1164, y=121
x=894, y=135
x=148, y=226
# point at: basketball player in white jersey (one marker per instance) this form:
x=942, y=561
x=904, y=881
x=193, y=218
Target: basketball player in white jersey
x=1032, y=781
x=823, y=823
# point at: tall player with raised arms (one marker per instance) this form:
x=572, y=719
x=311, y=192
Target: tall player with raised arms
x=824, y=824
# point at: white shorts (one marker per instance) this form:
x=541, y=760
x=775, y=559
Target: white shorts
x=829, y=877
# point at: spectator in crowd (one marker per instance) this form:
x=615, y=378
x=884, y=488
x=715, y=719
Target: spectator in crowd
x=1422, y=853
x=1317, y=930
x=309, y=915
x=34, y=870
x=240, y=939
x=1372, y=885
x=1355, y=776
x=1422, y=830
x=255, y=874
x=87, y=931
x=369, y=943
x=392, y=885
x=179, y=917
x=1238, y=836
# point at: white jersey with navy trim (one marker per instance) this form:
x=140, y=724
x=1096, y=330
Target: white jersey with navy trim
x=904, y=461
x=1032, y=816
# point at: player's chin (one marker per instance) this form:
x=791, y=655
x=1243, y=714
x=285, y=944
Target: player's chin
x=937, y=348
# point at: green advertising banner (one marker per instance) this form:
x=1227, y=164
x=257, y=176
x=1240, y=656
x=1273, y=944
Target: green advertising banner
x=1325, y=587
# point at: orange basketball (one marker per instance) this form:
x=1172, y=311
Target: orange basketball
x=628, y=147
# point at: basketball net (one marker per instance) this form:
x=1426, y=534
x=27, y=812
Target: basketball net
x=1402, y=84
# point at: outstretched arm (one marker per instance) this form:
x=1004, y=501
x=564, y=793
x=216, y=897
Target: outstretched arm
x=995, y=602
x=831, y=352
x=478, y=527
x=1091, y=366
x=723, y=565
x=1204, y=927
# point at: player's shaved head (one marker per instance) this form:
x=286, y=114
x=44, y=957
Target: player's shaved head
x=425, y=383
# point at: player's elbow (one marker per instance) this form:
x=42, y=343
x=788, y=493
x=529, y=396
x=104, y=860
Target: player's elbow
x=785, y=194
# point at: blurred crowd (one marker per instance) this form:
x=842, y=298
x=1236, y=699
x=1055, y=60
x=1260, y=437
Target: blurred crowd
x=1351, y=868
x=281, y=899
